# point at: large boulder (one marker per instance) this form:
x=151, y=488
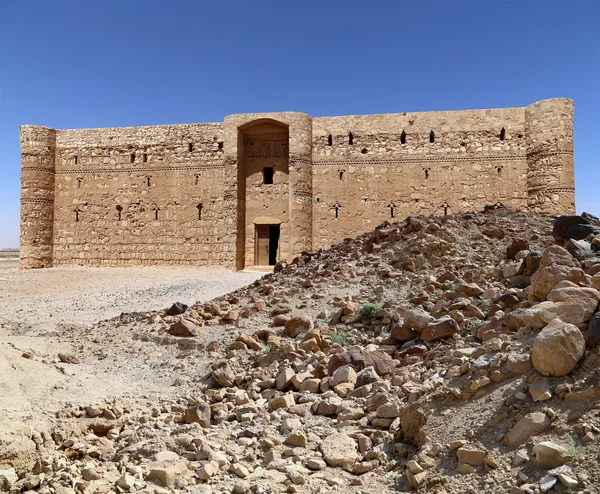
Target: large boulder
x=527, y=316
x=571, y=303
x=380, y=361
x=593, y=334
x=575, y=227
x=557, y=348
x=579, y=249
x=298, y=324
x=440, y=329
x=402, y=333
x=550, y=455
x=176, y=309
x=532, y=262
x=556, y=265
x=516, y=246
x=570, y=292
x=184, y=327
x=596, y=281
x=417, y=319
x=530, y=425
x=339, y=449
x=222, y=374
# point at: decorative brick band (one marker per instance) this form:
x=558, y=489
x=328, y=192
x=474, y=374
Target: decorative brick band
x=401, y=161
x=143, y=170
x=37, y=169
x=570, y=190
x=545, y=152
x=37, y=200
x=303, y=161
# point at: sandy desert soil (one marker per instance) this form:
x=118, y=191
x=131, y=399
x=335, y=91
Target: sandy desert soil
x=85, y=295
x=44, y=313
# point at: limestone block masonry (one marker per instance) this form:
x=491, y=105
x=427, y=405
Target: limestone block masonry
x=259, y=188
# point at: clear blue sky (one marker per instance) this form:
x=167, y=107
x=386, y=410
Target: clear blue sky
x=111, y=63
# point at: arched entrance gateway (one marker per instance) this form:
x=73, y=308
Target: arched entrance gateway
x=263, y=162
x=269, y=186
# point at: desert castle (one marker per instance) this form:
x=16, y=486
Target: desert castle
x=259, y=188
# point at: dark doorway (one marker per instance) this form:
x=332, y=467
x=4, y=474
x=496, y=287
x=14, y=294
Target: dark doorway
x=273, y=244
x=268, y=173
x=267, y=243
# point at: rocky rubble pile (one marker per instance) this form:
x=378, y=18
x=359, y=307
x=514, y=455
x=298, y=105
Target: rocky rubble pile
x=446, y=355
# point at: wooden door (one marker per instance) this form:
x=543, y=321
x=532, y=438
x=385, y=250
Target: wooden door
x=261, y=255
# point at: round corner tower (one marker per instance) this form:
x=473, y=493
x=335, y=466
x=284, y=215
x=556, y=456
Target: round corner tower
x=38, y=146
x=550, y=172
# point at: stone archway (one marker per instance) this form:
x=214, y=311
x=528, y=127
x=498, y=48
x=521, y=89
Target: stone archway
x=263, y=171
x=268, y=173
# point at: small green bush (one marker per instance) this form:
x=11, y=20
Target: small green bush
x=340, y=338
x=485, y=305
x=471, y=323
x=587, y=253
x=368, y=311
x=576, y=450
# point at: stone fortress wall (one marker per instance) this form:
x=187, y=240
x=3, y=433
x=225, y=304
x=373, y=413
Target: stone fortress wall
x=229, y=193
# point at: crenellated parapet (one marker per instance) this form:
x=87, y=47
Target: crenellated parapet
x=38, y=153
x=550, y=170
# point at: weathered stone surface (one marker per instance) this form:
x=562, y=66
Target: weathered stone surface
x=284, y=378
x=185, y=327
x=166, y=475
x=299, y=137
x=208, y=470
x=517, y=245
x=380, y=361
x=566, y=312
x=550, y=455
x=540, y=390
x=512, y=269
x=596, y=281
x=519, y=363
x=471, y=456
x=593, y=334
x=176, y=309
x=316, y=464
x=416, y=479
x=366, y=376
x=442, y=328
x=339, y=449
x=402, y=333
x=529, y=316
x=530, y=425
x=344, y=374
x=298, y=324
x=200, y=414
x=417, y=319
x=576, y=227
x=574, y=304
x=557, y=348
x=223, y=375
x=284, y=401
x=578, y=248
x=532, y=262
x=556, y=265
x=239, y=470
x=468, y=290
x=249, y=341
x=17, y=450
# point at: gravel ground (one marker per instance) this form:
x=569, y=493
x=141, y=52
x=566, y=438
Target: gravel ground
x=83, y=295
